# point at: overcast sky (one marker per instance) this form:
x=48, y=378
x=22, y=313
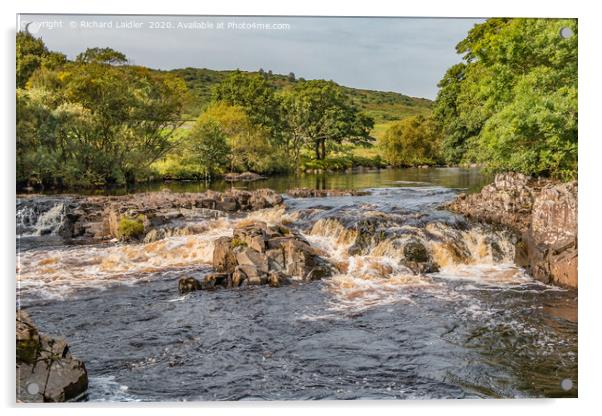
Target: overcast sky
x=406, y=55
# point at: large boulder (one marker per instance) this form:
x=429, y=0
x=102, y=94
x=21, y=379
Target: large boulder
x=258, y=254
x=543, y=213
x=224, y=259
x=46, y=370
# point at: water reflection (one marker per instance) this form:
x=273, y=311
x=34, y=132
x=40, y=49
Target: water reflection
x=470, y=179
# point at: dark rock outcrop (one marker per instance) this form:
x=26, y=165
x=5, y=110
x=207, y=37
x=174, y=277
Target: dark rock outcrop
x=46, y=371
x=322, y=193
x=164, y=213
x=542, y=212
x=244, y=177
x=258, y=254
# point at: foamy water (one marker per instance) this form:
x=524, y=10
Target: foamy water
x=374, y=329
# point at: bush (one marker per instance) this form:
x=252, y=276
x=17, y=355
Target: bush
x=412, y=141
x=131, y=228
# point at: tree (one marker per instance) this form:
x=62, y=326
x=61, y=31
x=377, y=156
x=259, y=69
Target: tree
x=291, y=77
x=410, y=142
x=102, y=56
x=32, y=54
x=256, y=96
x=318, y=113
x=249, y=144
x=207, y=147
x=95, y=124
x=512, y=103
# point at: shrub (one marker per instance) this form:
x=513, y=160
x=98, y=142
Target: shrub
x=130, y=228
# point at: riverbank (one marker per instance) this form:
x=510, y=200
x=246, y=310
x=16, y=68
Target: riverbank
x=543, y=213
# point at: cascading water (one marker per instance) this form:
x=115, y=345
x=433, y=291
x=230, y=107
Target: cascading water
x=40, y=217
x=418, y=293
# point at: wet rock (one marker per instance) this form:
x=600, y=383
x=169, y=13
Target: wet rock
x=253, y=236
x=188, y=284
x=421, y=242
x=224, y=259
x=46, y=370
x=543, y=213
x=245, y=177
x=259, y=255
x=246, y=256
x=322, y=193
x=215, y=280
x=98, y=217
x=302, y=261
x=417, y=258
x=238, y=277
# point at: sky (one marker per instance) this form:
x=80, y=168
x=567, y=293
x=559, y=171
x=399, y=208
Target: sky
x=405, y=55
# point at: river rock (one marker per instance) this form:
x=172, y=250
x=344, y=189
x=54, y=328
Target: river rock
x=98, y=217
x=322, y=193
x=543, y=213
x=224, y=259
x=421, y=242
x=258, y=254
x=188, y=284
x=245, y=177
x=46, y=370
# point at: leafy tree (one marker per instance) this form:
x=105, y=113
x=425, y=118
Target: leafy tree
x=410, y=142
x=512, y=103
x=32, y=54
x=249, y=145
x=318, y=113
x=95, y=124
x=102, y=56
x=207, y=147
x=255, y=95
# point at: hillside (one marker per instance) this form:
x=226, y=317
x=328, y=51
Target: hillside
x=384, y=107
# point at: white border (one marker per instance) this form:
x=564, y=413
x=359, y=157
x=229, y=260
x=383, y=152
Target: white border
x=590, y=152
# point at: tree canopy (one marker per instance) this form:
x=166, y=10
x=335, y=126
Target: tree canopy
x=512, y=103
x=93, y=123
x=318, y=113
x=410, y=142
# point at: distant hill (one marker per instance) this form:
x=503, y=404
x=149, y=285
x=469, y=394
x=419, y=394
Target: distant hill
x=384, y=107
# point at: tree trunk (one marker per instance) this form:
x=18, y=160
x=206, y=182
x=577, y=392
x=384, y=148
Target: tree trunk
x=317, y=149
x=323, y=145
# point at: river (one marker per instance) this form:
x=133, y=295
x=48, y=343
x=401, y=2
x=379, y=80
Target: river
x=476, y=329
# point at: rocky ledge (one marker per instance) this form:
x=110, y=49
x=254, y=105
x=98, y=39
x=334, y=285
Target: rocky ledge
x=243, y=177
x=46, y=371
x=159, y=213
x=323, y=193
x=258, y=254
x=543, y=213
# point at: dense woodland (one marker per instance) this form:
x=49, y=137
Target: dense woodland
x=511, y=104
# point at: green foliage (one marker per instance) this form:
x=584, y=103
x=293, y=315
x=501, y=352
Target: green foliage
x=130, y=228
x=101, y=56
x=32, y=54
x=237, y=242
x=318, y=113
x=411, y=142
x=207, y=147
x=255, y=95
x=380, y=105
x=512, y=103
x=92, y=124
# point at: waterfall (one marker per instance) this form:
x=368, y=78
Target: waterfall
x=40, y=217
